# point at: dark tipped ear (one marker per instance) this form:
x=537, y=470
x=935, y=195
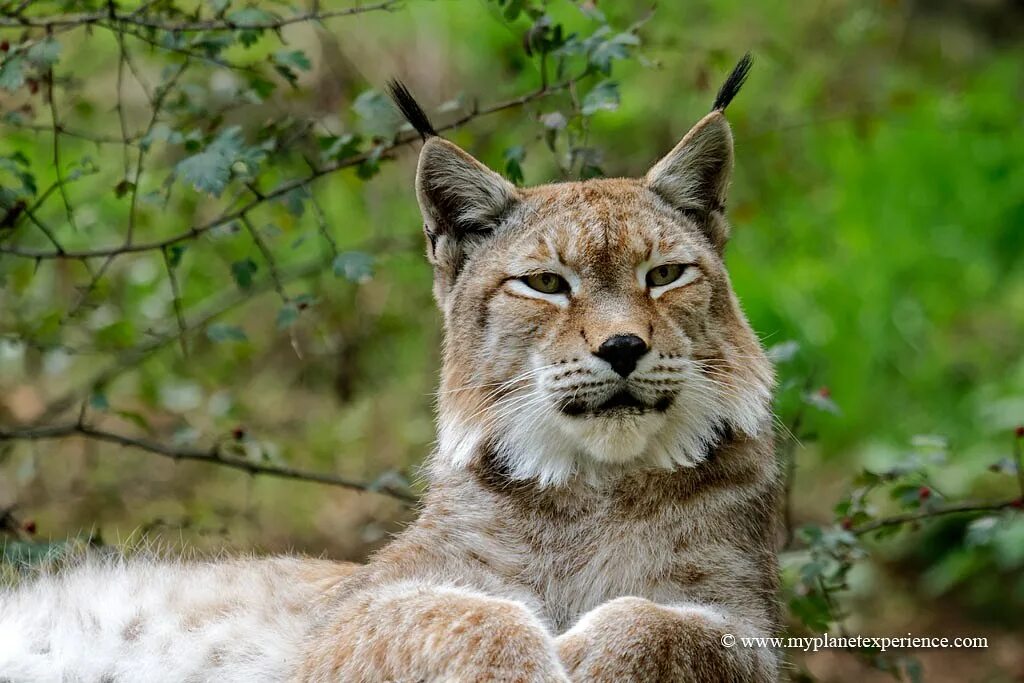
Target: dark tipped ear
x=462, y=202
x=411, y=109
x=694, y=177
x=458, y=195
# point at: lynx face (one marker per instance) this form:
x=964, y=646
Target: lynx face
x=589, y=326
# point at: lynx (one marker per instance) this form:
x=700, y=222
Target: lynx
x=603, y=496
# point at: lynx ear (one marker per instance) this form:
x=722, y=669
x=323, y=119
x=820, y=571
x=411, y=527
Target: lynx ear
x=694, y=177
x=459, y=196
x=462, y=201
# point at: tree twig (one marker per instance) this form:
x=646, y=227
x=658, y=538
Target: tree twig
x=214, y=455
x=222, y=24
x=386, y=151
x=963, y=507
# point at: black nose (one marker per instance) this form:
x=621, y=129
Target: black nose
x=622, y=352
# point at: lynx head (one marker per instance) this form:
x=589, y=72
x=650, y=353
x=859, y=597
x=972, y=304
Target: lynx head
x=589, y=326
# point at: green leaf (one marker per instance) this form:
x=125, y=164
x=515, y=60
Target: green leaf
x=981, y=531
x=261, y=88
x=607, y=51
x=513, y=9
x=603, y=96
x=12, y=73
x=813, y=611
x=174, y=254
x=219, y=332
x=295, y=201
x=287, y=74
x=210, y=170
x=293, y=58
x=119, y=335
x=243, y=271
x=867, y=477
x=554, y=120
x=287, y=316
x=249, y=17
x=354, y=265
x=123, y=188
x=18, y=165
x=906, y=494
x=377, y=115
x=340, y=147
x=513, y=163
x=44, y=54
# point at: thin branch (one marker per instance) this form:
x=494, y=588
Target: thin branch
x=122, y=121
x=179, y=313
x=224, y=24
x=268, y=256
x=31, y=214
x=322, y=227
x=386, y=151
x=214, y=455
x=185, y=52
x=55, y=122
x=964, y=507
x=72, y=133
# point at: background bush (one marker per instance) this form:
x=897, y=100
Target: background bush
x=210, y=251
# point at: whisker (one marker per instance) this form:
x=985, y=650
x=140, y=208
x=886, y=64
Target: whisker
x=513, y=380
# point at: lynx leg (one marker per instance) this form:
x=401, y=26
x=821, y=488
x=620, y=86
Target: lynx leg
x=420, y=632
x=633, y=639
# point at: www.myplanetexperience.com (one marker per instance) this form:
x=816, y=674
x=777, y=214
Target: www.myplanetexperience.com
x=827, y=641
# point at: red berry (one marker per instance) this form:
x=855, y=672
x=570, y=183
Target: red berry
x=1018, y=504
x=29, y=525
x=1019, y=432
x=825, y=392
x=924, y=493
x=847, y=523
x=33, y=85
x=238, y=433
x=5, y=46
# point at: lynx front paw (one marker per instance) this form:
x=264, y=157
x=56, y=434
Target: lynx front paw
x=429, y=633
x=633, y=639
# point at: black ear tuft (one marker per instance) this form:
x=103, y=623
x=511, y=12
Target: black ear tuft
x=411, y=109
x=733, y=83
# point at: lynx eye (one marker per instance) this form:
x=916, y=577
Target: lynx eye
x=665, y=274
x=546, y=283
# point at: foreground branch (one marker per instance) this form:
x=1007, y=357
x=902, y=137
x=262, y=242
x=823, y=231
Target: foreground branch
x=214, y=455
x=964, y=507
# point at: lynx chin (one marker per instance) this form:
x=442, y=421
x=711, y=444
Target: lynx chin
x=603, y=496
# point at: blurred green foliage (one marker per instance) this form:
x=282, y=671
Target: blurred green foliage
x=256, y=282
